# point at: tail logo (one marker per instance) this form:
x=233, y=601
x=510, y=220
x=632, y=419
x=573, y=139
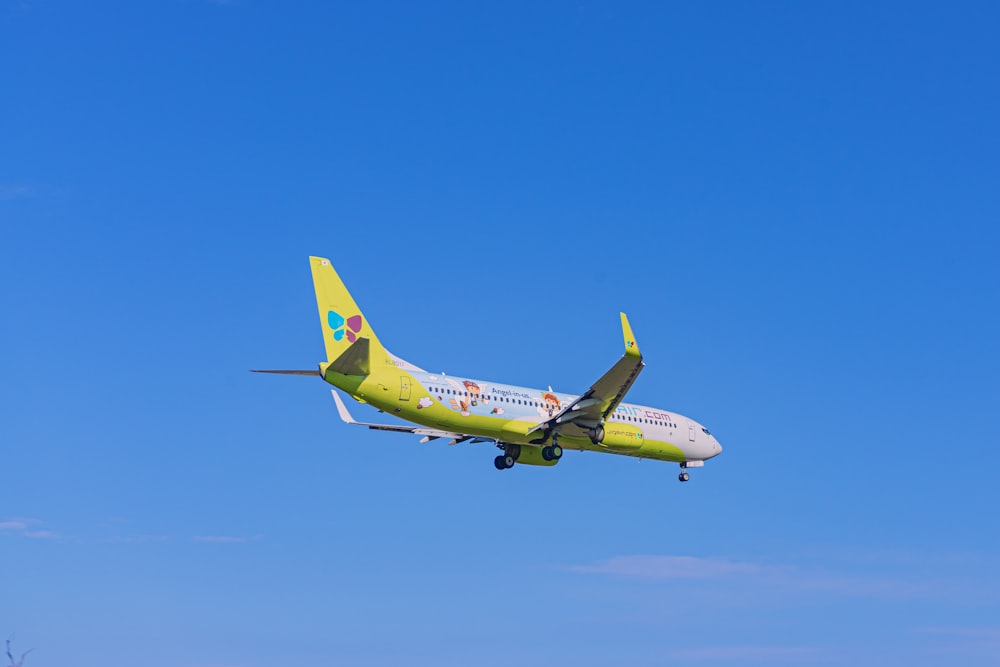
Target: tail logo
x=341, y=327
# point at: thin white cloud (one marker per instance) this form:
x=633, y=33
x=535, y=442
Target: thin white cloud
x=743, y=653
x=226, y=539
x=16, y=191
x=139, y=539
x=23, y=528
x=41, y=534
x=964, y=632
x=669, y=567
x=220, y=539
x=788, y=579
x=13, y=525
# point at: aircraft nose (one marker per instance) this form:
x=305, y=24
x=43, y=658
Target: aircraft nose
x=716, y=447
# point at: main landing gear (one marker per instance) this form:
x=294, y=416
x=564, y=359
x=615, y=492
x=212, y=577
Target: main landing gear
x=512, y=453
x=552, y=453
x=509, y=456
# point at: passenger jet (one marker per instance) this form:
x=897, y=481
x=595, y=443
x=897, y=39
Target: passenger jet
x=529, y=426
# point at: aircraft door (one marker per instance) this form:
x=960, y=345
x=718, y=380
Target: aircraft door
x=691, y=433
x=404, y=388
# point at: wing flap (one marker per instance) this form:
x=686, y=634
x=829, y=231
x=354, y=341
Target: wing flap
x=428, y=433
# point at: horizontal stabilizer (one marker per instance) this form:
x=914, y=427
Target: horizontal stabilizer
x=355, y=360
x=316, y=373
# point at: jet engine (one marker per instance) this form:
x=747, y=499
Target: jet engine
x=620, y=437
x=532, y=456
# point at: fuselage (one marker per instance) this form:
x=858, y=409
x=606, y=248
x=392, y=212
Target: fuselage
x=508, y=413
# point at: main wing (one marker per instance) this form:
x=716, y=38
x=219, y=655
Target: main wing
x=597, y=403
x=428, y=433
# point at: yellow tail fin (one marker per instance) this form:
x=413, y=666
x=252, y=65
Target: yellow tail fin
x=341, y=319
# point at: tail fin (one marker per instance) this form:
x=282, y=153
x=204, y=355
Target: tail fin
x=340, y=317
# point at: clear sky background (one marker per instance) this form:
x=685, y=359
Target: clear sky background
x=796, y=203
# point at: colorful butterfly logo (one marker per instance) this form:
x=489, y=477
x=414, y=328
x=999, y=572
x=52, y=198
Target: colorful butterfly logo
x=337, y=324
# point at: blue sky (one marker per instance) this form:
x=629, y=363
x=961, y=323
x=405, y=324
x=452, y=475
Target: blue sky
x=795, y=204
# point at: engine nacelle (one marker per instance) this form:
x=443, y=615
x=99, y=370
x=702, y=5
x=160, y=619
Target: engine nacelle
x=621, y=437
x=532, y=456
x=596, y=434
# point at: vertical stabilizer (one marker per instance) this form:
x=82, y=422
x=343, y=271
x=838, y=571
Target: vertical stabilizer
x=342, y=321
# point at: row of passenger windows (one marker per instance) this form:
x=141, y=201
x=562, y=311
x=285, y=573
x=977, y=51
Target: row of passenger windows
x=452, y=392
x=538, y=404
x=641, y=420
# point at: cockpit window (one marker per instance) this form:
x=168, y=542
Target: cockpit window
x=705, y=430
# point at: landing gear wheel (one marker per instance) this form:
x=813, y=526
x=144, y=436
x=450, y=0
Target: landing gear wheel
x=552, y=453
x=683, y=477
x=509, y=456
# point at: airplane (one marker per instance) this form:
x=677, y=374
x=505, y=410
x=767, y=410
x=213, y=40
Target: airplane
x=529, y=426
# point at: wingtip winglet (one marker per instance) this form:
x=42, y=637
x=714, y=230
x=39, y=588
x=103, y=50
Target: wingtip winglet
x=631, y=347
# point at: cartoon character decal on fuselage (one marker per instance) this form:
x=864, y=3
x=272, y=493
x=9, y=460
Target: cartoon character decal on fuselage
x=549, y=405
x=465, y=396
